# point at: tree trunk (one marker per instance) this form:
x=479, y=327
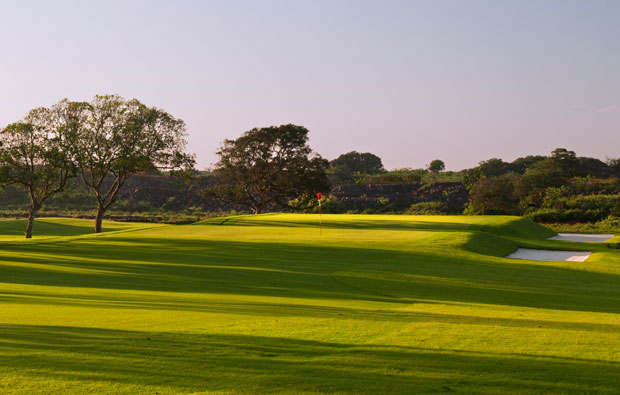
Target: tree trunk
x=31, y=215
x=99, y=217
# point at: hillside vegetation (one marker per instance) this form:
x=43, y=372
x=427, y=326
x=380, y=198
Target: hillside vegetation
x=275, y=304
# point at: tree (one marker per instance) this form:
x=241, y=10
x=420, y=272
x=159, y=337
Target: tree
x=592, y=167
x=531, y=186
x=116, y=138
x=494, y=167
x=32, y=155
x=519, y=165
x=436, y=166
x=566, y=159
x=268, y=167
x=355, y=164
x=493, y=195
x=614, y=165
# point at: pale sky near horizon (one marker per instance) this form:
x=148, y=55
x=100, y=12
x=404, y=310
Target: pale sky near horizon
x=410, y=81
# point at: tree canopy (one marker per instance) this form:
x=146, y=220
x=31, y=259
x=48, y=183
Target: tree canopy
x=104, y=141
x=359, y=162
x=436, y=166
x=114, y=138
x=268, y=167
x=33, y=155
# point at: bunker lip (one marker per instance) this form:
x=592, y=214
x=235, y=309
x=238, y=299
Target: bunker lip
x=592, y=237
x=549, y=255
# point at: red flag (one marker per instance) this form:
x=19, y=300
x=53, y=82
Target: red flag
x=319, y=195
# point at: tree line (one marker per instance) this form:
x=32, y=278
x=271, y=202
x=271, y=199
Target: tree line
x=556, y=188
x=105, y=141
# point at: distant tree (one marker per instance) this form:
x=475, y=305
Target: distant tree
x=471, y=177
x=494, y=167
x=436, y=166
x=614, y=165
x=355, y=164
x=531, y=186
x=269, y=167
x=592, y=167
x=566, y=159
x=117, y=138
x=519, y=165
x=493, y=195
x=32, y=156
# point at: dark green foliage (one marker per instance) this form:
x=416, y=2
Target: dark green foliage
x=531, y=186
x=34, y=156
x=567, y=160
x=493, y=195
x=113, y=138
x=267, y=167
x=354, y=165
x=519, y=165
x=593, y=167
x=614, y=165
x=495, y=167
x=396, y=176
x=436, y=166
x=546, y=215
x=428, y=208
x=104, y=141
x=359, y=162
x=564, y=205
x=558, y=188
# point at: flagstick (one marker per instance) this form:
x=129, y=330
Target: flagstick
x=320, y=219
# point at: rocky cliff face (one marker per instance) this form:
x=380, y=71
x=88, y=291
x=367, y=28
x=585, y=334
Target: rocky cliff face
x=146, y=192
x=400, y=197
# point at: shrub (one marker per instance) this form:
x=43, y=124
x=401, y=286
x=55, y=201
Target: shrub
x=428, y=208
x=330, y=206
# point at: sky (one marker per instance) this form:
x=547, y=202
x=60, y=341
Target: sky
x=410, y=81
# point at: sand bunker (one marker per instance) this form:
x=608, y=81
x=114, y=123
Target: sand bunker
x=598, y=238
x=548, y=255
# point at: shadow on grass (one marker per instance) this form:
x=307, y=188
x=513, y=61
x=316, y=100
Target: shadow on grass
x=330, y=223
x=284, y=309
x=510, y=226
x=43, y=228
x=129, y=361
x=309, y=271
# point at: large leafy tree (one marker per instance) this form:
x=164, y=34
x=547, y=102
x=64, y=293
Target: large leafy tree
x=117, y=138
x=359, y=162
x=33, y=155
x=494, y=167
x=493, y=195
x=437, y=166
x=354, y=165
x=566, y=159
x=268, y=167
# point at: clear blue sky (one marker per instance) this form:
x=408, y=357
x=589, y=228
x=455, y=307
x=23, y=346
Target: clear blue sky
x=410, y=81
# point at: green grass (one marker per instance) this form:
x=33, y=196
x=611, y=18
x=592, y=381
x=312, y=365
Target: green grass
x=272, y=304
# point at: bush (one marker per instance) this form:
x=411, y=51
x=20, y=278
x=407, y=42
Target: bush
x=428, y=208
x=330, y=206
x=547, y=215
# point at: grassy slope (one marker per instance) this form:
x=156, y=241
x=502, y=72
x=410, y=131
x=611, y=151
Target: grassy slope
x=374, y=304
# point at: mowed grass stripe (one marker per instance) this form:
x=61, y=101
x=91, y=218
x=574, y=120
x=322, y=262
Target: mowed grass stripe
x=271, y=304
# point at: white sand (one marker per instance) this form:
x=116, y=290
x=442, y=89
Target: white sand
x=548, y=255
x=597, y=238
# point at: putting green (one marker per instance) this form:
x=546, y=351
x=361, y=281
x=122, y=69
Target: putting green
x=273, y=304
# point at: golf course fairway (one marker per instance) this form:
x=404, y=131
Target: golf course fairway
x=369, y=304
